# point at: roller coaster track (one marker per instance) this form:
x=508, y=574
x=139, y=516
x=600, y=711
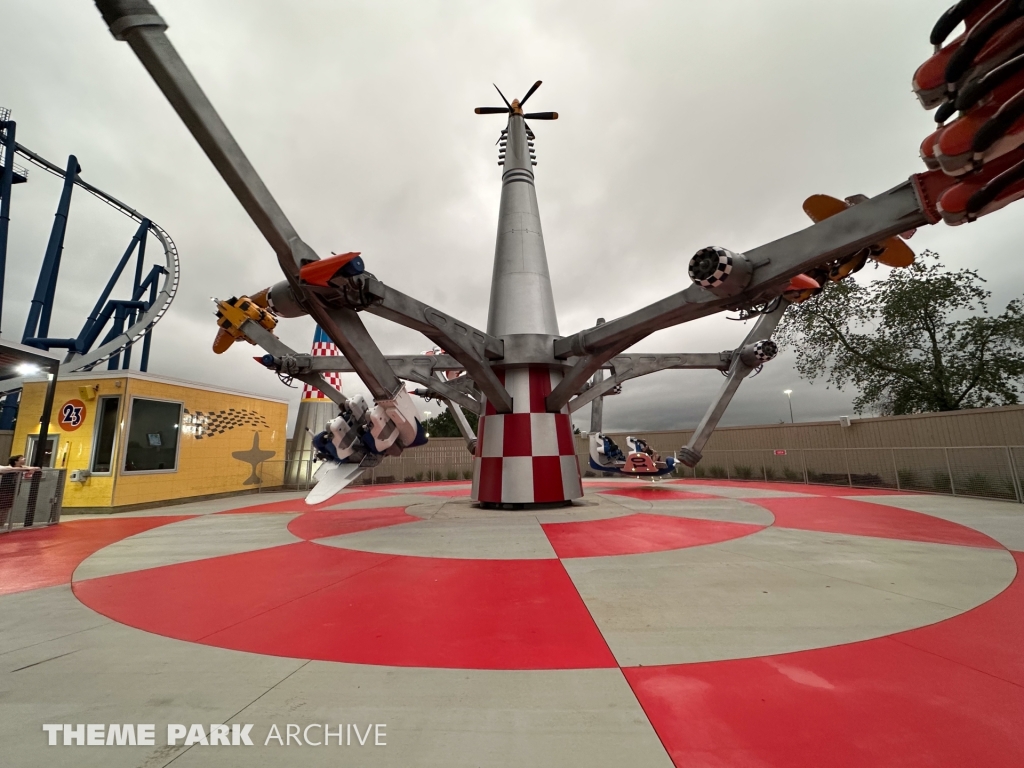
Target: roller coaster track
x=149, y=318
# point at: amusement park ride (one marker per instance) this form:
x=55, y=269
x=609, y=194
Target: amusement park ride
x=521, y=375
x=114, y=325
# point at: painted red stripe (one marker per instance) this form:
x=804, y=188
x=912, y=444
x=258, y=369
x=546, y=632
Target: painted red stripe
x=989, y=638
x=389, y=489
x=299, y=505
x=190, y=601
x=517, y=439
x=563, y=428
x=635, y=534
x=489, y=409
x=321, y=524
x=875, y=703
x=313, y=602
x=811, y=489
x=656, y=494
x=46, y=557
x=540, y=388
x=861, y=518
x=481, y=426
x=490, y=480
x=547, y=479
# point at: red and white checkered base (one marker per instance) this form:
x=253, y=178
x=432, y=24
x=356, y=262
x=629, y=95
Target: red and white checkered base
x=527, y=456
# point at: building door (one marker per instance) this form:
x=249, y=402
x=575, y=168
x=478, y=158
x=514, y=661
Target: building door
x=46, y=460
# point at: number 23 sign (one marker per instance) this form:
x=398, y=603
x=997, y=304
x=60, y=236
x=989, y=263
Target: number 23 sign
x=71, y=415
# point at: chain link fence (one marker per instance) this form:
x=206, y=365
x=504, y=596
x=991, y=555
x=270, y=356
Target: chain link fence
x=427, y=464
x=988, y=472
x=30, y=499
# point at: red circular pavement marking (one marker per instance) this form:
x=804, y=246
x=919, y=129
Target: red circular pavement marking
x=455, y=493
x=299, y=505
x=639, y=533
x=811, y=489
x=335, y=522
x=946, y=695
x=48, y=556
x=313, y=602
x=862, y=518
x=402, y=487
x=658, y=494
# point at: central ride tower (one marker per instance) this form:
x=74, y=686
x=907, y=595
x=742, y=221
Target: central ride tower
x=527, y=456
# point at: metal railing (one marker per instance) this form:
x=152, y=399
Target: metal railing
x=30, y=499
x=989, y=472
x=441, y=463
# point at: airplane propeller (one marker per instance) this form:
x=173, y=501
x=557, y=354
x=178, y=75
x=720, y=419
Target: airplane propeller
x=516, y=107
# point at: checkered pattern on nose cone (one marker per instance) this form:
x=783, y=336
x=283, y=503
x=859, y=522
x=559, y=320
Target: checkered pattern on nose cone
x=322, y=345
x=527, y=456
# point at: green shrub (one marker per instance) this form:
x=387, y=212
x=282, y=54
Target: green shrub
x=941, y=483
x=791, y=475
x=410, y=479
x=451, y=474
x=419, y=477
x=907, y=478
x=983, y=485
x=467, y=475
x=744, y=472
x=717, y=472
x=699, y=471
x=769, y=473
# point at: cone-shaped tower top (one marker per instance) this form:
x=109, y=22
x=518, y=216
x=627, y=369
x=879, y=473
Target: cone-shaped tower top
x=521, y=297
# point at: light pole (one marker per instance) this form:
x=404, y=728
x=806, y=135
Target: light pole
x=789, y=393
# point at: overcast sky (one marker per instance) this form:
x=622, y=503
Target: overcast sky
x=681, y=125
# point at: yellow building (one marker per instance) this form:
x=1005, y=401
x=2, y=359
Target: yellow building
x=128, y=438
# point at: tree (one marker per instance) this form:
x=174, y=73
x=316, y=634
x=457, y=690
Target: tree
x=443, y=425
x=920, y=340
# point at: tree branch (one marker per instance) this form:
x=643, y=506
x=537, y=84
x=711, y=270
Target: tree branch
x=873, y=362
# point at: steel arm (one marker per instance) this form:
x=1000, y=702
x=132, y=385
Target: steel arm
x=627, y=367
x=138, y=23
x=292, y=364
x=423, y=369
x=471, y=347
x=279, y=349
x=775, y=263
x=763, y=329
x=465, y=429
x=423, y=375
x=597, y=410
x=463, y=424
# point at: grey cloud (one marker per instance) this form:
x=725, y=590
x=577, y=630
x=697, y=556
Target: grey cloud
x=682, y=125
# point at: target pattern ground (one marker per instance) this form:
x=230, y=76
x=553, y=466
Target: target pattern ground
x=738, y=608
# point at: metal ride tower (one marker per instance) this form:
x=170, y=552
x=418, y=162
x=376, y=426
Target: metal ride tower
x=521, y=375
x=527, y=455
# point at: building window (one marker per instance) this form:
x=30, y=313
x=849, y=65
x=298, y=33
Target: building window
x=152, y=436
x=106, y=432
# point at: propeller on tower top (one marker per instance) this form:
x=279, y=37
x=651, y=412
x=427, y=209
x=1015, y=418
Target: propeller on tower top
x=516, y=107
